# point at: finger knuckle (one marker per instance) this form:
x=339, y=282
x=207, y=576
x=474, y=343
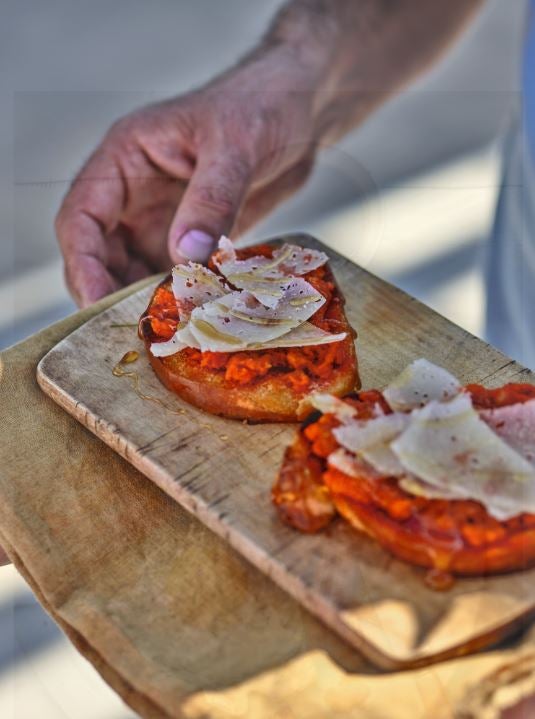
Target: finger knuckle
x=69, y=276
x=120, y=127
x=62, y=222
x=122, y=135
x=217, y=199
x=237, y=168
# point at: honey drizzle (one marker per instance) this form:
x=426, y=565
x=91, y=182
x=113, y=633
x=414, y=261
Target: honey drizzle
x=120, y=371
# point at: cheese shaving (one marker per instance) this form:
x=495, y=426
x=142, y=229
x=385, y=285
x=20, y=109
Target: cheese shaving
x=515, y=424
x=418, y=384
x=270, y=309
x=267, y=277
x=180, y=340
x=352, y=466
x=193, y=285
x=361, y=435
x=306, y=335
x=370, y=440
x=439, y=446
x=237, y=320
x=329, y=404
x=448, y=446
x=418, y=488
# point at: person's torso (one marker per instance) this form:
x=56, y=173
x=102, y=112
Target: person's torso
x=528, y=79
x=510, y=276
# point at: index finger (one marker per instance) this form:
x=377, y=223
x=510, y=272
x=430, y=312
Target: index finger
x=4, y=559
x=90, y=210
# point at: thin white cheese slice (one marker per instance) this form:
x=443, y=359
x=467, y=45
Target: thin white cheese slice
x=329, y=404
x=416, y=486
x=371, y=440
x=286, y=260
x=446, y=449
x=343, y=411
x=363, y=434
x=420, y=383
x=448, y=446
x=351, y=465
x=383, y=459
x=238, y=321
x=268, y=291
x=193, y=285
x=180, y=340
x=295, y=260
x=305, y=335
x=515, y=424
x=297, y=304
x=274, y=314
x=267, y=277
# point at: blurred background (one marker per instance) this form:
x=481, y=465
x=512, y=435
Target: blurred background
x=410, y=195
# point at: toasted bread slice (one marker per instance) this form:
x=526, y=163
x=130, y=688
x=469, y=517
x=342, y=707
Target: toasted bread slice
x=259, y=385
x=456, y=536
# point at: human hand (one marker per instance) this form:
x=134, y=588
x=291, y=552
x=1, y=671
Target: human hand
x=169, y=179
x=4, y=559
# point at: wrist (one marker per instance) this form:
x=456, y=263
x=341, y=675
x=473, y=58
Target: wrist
x=287, y=84
x=289, y=79
x=317, y=34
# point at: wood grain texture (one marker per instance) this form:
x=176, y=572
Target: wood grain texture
x=222, y=471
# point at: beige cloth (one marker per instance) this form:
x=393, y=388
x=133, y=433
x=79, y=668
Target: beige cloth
x=173, y=619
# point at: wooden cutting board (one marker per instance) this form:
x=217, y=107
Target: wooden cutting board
x=222, y=471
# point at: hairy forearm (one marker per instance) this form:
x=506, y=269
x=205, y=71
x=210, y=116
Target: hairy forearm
x=360, y=52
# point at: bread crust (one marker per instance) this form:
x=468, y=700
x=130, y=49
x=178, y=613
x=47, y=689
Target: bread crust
x=516, y=551
x=266, y=399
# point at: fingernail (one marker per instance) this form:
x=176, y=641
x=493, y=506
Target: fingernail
x=196, y=245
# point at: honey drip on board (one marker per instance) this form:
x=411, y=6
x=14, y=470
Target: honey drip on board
x=120, y=371
x=129, y=357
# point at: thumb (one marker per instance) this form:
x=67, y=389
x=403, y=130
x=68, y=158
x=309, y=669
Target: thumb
x=209, y=207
